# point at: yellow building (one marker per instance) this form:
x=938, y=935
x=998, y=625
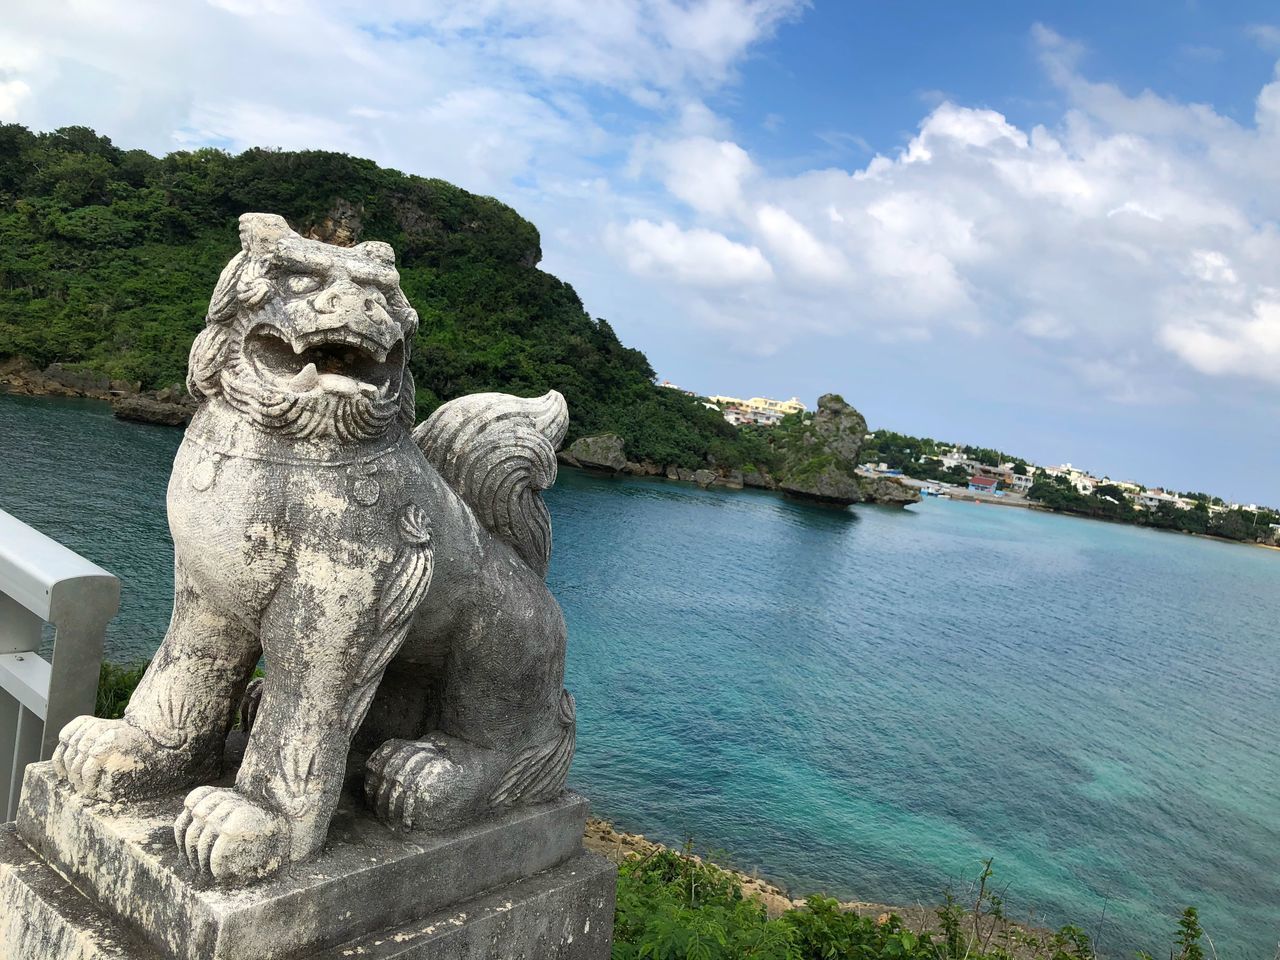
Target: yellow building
x=783, y=407
x=763, y=404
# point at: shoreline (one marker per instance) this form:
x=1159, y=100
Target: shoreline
x=128, y=402
x=169, y=407
x=1021, y=503
x=1021, y=938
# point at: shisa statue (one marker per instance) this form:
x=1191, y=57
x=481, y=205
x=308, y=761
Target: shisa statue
x=391, y=579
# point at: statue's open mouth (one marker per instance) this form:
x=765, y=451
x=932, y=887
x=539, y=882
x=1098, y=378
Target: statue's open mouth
x=335, y=361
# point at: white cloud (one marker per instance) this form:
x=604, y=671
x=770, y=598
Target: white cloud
x=12, y=93
x=706, y=174
x=488, y=94
x=1045, y=325
x=698, y=257
x=1126, y=239
x=1265, y=35
x=1227, y=344
x=1130, y=230
x=950, y=127
x=795, y=246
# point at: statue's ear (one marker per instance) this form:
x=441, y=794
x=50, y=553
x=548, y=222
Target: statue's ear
x=259, y=232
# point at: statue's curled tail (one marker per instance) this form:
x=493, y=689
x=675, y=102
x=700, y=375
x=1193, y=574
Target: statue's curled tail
x=497, y=452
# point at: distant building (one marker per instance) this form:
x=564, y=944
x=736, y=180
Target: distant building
x=1151, y=499
x=983, y=484
x=783, y=407
x=760, y=411
x=1021, y=484
x=671, y=386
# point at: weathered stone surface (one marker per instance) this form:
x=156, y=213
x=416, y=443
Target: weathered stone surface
x=604, y=452
x=732, y=480
x=704, y=478
x=78, y=382
x=393, y=582
x=821, y=454
x=368, y=879
x=42, y=917
x=888, y=490
x=565, y=913
x=672, y=472
x=146, y=410
x=341, y=226
x=20, y=376
x=759, y=480
x=643, y=468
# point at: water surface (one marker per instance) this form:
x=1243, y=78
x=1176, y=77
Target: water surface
x=861, y=702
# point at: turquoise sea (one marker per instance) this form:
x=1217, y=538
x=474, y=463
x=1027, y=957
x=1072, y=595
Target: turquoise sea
x=861, y=702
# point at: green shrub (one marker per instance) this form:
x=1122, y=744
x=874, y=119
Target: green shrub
x=115, y=687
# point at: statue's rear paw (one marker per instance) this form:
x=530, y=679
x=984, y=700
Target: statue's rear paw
x=113, y=759
x=426, y=784
x=225, y=837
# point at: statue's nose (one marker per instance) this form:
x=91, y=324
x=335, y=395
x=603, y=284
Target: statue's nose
x=342, y=295
x=346, y=297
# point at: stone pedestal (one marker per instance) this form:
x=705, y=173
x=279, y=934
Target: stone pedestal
x=81, y=880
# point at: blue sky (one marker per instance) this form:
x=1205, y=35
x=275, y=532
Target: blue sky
x=1052, y=228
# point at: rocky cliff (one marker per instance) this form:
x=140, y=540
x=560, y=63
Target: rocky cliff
x=820, y=454
x=171, y=406
x=817, y=456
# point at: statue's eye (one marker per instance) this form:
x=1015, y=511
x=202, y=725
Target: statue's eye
x=302, y=283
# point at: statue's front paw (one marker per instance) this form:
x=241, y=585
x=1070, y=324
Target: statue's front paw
x=103, y=759
x=225, y=837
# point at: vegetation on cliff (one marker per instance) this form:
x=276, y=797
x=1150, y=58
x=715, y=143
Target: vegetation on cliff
x=675, y=907
x=108, y=257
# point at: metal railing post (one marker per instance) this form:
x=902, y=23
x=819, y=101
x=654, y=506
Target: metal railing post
x=42, y=582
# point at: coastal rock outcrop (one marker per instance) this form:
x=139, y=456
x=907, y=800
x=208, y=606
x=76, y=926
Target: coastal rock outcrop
x=758, y=479
x=732, y=480
x=820, y=454
x=704, y=478
x=889, y=491
x=603, y=452
x=645, y=468
x=149, y=410
x=171, y=406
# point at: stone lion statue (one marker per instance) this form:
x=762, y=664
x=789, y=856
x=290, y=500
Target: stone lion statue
x=391, y=578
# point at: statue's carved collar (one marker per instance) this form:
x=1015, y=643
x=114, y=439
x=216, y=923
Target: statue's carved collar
x=218, y=428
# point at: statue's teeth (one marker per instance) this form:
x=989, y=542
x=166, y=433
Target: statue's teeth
x=305, y=379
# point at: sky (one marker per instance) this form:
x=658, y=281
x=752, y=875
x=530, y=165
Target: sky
x=1048, y=228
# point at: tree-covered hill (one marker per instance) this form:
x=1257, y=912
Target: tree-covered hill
x=108, y=258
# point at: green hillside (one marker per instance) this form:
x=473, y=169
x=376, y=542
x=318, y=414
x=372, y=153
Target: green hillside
x=108, y=258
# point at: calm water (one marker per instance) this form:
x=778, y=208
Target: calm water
x=863, y=702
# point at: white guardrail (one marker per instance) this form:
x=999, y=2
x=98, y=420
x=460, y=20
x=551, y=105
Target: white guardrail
x=42, y=582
